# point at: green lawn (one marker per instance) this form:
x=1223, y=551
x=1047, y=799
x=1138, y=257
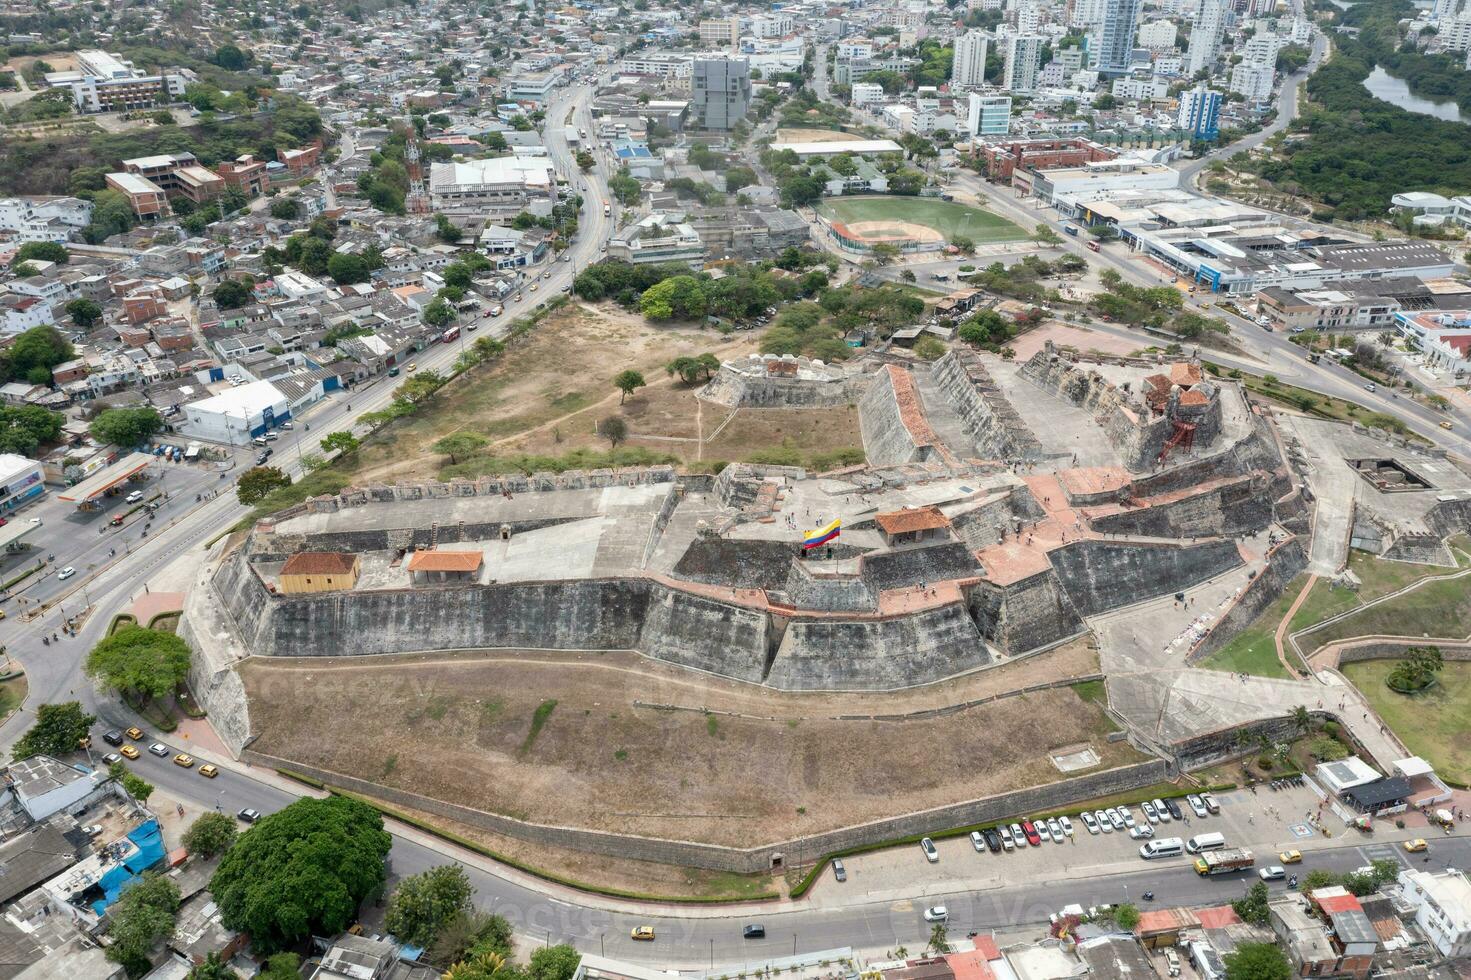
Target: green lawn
x=948, y=218
x=1433, y=609
x=1432, y=724
x=1254, y=649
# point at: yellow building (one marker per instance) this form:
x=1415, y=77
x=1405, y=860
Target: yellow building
x=319, y=571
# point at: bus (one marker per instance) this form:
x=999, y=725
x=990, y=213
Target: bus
x=1071, y=229
x=451, y=334
x=1094, y=247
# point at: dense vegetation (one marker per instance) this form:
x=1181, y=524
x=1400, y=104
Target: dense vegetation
x=670, y=291
x=1360, y=151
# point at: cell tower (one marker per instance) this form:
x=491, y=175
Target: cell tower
x=416, y=201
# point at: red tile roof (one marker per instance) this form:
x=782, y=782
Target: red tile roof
x=1218, y=918
x=905, y=521
x=318, y=563
x=445, y=561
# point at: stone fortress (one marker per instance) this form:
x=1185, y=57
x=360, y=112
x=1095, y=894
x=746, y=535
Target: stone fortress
x=1002, y=505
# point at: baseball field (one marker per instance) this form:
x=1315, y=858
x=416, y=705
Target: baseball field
x=880, y=218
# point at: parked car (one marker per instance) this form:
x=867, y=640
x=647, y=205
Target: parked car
x=1115, y=818
x=993, y=839
x=1141, y=831
x=936, y=913
x=134, y=497
x=930, y=853
x=92, y=829
x=1031, y=833
x=1104, y=824
x=1042, y=831
x=977, y=841
x=1056, y=830
x=1162, y=810
x=1067, y=825
x=1149, y=812
x=1198, y=805
x=1210, y=803
x=1089, y=821
x=1174, y=809
x=1127, y=816
x=1006, y=842
x=840, y=873
x=1018, y=835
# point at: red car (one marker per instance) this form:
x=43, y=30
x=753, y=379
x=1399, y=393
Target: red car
x=1031, y=832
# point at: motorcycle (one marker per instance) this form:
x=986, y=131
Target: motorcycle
x=1292, y=882
x=46, y=640
x=1148, y=896
x=198, y=497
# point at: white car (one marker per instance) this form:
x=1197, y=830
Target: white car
x=1056, y=829
x=1210, y=803
x=1067, y=825
x=1089, y=821
x=1115, y=818
x=928, y=846
x=1273, y=872
x=1149, y=813
x=65, y=573
x=1128, y=816
x=1104, y=824
x=1141, y=831
x=1042, y=830
x=936, y=913
x=1198, y=805
x=1162, y=810
x=977, y=841
x=1006, y=842
x=134, y=497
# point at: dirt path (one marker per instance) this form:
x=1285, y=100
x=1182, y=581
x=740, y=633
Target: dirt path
x=1283, y=626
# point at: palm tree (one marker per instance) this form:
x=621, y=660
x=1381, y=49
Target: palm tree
x=213, y=968
x=1302, y=719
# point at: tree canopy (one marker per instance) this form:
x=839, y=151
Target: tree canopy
x=142, y=917
x=59, y=729
x=302, y=870
x=257, y=482
x=424, y=903
x=125, y=426
x=1257, y=961
x=25, y=428
x=211, y=833
x=139, y=663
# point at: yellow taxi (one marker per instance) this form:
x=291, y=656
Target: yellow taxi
x=136, y=734
x=208, y=771
x=127, y=751
x=1447, y=426
x=183, y=759
x=642, y=934
x=1417, y=845
x=412, y=368
x=1290, y=857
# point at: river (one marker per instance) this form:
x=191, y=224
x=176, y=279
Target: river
x=1382, y=85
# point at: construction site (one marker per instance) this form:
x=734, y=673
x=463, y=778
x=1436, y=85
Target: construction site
x=1138, y=510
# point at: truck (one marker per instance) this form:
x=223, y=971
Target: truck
x=1070, y=229
x=1224, y=861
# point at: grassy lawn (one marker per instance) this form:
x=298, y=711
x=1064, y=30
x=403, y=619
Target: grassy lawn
x=1434, y=609
x=948, y=218
x=1254, y=649
x=12, y=696
x=1383, y=577
x=1432, y=724
x=1314, y=404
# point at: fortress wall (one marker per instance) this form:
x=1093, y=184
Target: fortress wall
x=1423, y=549
x=887, y=441
x=1102, y=575
x=898, y=652
x=908, y=567
x=599, y=614
x=693, y=631
x=1230, y=509
x=244, y=597
x=737, y=564
x=1125, y=421
x=1448, y=517
x=994, y=425
x=981, y=527
x=829, y=593
x=278, y=546
x=1284, y=563
x=1025, y=615
x=207, y=628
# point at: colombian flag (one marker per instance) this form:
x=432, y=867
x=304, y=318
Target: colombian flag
x=821, y=536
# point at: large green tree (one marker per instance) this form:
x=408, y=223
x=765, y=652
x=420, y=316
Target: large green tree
x=84, y=312
x=255, y=483
x=141, y=664
x=423, y=903
x=24, y=429
x=1257, y=961
x=210, y=834
x=36, y=351
x=302, y=870
x=41, y=251
x=59, y=729
x=232, y=293
x=125, y=426
x=346, y=268
x=141, y=918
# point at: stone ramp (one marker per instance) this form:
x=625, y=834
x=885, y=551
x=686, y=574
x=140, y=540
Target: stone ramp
x=944, y=419
x=991, y=424
x=694, y=511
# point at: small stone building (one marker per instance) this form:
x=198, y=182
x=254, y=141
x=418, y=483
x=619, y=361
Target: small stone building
x=319, y=571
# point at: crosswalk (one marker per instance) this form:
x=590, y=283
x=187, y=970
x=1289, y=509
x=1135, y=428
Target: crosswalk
x=1383, y=852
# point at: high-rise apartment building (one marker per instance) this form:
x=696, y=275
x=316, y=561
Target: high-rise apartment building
x=990, y=115
x=1116, y=36
x=1023, y=60
x=1205, y=35
x=722, y=91
x=968, y=69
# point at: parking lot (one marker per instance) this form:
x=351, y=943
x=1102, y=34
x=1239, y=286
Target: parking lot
x=1265, y=822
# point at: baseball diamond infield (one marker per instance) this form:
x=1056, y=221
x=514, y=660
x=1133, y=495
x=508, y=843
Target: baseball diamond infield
x=915, y=223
